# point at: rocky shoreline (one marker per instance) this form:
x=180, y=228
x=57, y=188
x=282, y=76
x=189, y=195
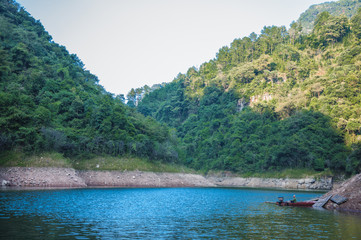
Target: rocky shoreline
x=350, y=191
x=23, y=177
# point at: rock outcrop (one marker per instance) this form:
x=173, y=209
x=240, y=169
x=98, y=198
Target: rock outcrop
x=351, y=191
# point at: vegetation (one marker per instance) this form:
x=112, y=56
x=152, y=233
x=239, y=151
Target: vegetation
x=105, y=162
x=50, y=103
x=20, y=159
x=347, y=8
x=128, y=163
x=275, y=101
x=268, y=103
x=290, y=173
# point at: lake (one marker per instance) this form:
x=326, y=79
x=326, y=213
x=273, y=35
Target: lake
x=167, y=213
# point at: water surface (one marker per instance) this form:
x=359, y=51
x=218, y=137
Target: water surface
x=167, y=213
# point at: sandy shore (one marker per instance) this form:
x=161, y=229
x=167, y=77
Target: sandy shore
x=71, y=178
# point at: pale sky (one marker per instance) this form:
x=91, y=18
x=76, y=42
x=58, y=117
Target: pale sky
x=131, y=43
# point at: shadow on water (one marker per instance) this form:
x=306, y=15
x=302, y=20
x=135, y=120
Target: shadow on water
x=190, y=213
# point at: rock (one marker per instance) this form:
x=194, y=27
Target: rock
x=310, y=180
x=5, y=183
x=350, y=190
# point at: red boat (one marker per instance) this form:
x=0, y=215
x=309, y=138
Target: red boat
x=293, y=204
x=296, y=204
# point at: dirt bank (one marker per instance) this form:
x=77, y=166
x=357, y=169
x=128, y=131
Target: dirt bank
x=287, y=183
x=351, y=190
x=40, y=177
x=68, y=177
x=142, y=179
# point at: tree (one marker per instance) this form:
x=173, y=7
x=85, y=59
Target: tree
x=356, y=24
x=273, y=36
x=132, y=98
x=253, y=36
x=295, y=32
x=120, y=98
x=330, y=29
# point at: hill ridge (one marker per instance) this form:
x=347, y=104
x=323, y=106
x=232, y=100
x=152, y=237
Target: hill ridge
x=297, y=95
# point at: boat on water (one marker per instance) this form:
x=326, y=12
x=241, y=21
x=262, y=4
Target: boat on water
x=297, y=204
x=280, y=202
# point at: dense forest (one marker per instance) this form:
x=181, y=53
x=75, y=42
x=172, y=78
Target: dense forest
x=280, y=99
x=285, y=98
x=49, y=102
x=347, y=8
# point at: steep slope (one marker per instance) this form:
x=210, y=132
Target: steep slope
x=278, y=100
x=347, y=8
x=49, y=102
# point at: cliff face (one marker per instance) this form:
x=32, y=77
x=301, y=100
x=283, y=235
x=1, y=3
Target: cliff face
x=69, y=178
x=351, y=189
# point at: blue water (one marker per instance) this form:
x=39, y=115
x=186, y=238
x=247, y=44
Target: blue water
x=167, y=213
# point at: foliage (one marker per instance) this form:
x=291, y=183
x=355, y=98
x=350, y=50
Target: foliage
x=49, y=102
x=127, y=163
x=96, y=163
x=19, y=159
x=279, y=100
x=275, y=101
x=296, y=173
x=346, y=8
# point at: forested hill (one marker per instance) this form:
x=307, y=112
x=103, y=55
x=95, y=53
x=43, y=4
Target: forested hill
x=347, y=8
x=281, y=99
x=49, y=102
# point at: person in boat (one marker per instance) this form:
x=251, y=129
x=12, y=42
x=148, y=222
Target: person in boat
x=280, y=200
x=294, y=200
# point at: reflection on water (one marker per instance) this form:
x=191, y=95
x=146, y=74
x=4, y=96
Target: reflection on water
x=180, y=213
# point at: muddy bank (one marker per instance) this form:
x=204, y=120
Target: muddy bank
x=71, y=178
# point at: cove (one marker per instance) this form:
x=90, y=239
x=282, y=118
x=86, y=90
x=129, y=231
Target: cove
x=167, y=213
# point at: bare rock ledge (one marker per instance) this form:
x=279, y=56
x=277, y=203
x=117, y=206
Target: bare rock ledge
x=71, y=178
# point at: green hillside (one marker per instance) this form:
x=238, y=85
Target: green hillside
x=347, y=8
x=50, y=103
x=278, y=100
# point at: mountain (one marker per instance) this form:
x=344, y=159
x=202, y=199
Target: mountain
x=50, y=103
x=281, y=99
x=347, y=8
